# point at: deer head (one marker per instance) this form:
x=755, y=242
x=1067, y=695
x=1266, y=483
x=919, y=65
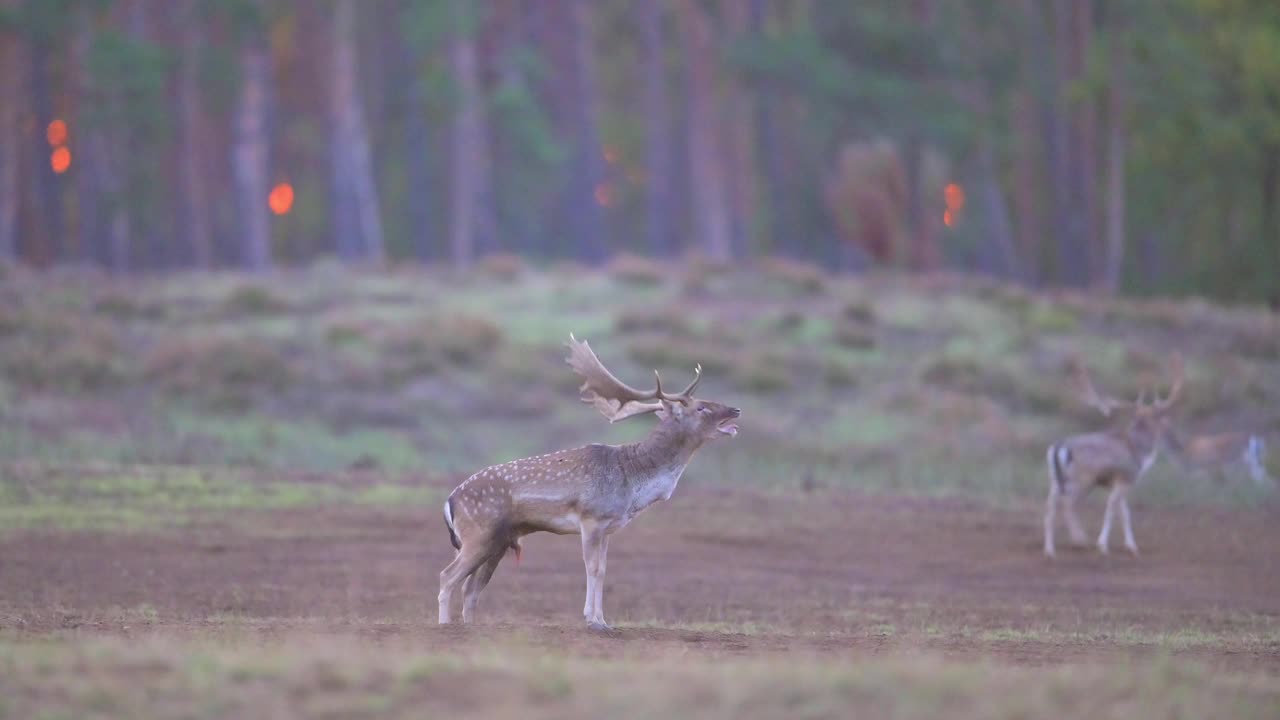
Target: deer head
x=1147, y=418
x=617, y=400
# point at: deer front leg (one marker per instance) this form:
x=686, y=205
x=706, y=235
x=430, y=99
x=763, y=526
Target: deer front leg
x=593, y=550
x=1105, y=536
x=604, y=558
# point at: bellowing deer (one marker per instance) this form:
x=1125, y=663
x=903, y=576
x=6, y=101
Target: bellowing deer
x=1214, y=453
x=1116, y=459
x=592, y=491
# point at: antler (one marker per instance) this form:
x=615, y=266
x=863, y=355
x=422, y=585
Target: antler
x=1105, y=404
x=1178, y=372
x=615, y=399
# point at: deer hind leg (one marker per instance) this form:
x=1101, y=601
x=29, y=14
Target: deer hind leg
x=475, y=584
x=468, y=559
x=1130, y=544
x=1074, y=527
x=594, y=544
x=1112, y=500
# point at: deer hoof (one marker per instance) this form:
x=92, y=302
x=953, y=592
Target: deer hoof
x=1133, y=549
x=1104, y=549
x=599, y=626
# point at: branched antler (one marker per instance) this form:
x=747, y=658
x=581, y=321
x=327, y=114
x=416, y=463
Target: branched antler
x=615, y=399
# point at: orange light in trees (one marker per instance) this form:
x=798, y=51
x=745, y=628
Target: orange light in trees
x=281, y=198
x=610, y=154
x=948, y=218
x=56, y=133
x=954, y=195
x=604, y=195
x=60, y=160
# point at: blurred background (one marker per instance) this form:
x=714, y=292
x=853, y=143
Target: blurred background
x=1129, y=145
x=277, y=275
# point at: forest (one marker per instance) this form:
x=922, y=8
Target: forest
x=1127, y=145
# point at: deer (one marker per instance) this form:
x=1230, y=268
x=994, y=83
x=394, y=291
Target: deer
x=592, y=491
x=1116, y=459
x=1216, y=452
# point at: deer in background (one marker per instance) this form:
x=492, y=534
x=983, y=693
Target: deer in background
x=1214, y=453
x=1115, y=459
x=592, y=491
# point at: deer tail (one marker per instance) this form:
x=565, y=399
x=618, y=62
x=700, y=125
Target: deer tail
x=1057, y=456
x=448, y=521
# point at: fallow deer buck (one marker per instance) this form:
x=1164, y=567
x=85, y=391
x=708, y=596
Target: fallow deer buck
x=1215, y=453
x=1116, y=459
x=592, y=491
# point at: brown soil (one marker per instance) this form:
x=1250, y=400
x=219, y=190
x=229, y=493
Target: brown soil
x=720, y=572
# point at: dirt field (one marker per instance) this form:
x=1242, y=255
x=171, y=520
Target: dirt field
x=713, y=571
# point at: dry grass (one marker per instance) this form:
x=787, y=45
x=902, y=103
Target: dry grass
x=346, y=677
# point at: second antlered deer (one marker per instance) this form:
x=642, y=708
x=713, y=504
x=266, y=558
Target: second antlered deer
x=1115, y=459
x=1215, y=453
x=591, y=491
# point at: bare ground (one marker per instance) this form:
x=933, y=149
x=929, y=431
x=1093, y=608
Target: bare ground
x=713, y=572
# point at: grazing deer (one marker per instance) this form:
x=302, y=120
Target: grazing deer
x=591, y=491
x=1116, y=459
x=1214, y=453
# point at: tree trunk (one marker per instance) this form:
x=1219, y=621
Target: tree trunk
x=353, y=139
x=925, y=251
x=195, y=193
x=997, y=211
x=469, y=142
x=774, y=203
x=657, y=129
x=43, y=229
x=1072, y=258
x=1117, y=107
x=11, y=141
x=1085, y=142
x=1026, y=181
x=250, y=156
x=418, y=144
x=585, y=206
x=1270, y=223
x=711, y=223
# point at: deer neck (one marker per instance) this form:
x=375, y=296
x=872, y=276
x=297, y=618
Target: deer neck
x=666, y=448
x=1143, y=448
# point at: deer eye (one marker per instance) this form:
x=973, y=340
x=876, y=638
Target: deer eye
x=704, y=409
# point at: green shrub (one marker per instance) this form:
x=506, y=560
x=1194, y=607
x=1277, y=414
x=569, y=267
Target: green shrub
x=761, y=374
x=252, y=299
x=859, y=311
x=226, y=371
x=802, y=277
x=505, y=267
x=430, y=343
x=636, y=270
x=668, y=320
x=659, y=351
x=853, y=335
x=1044, y=316
x=62, y=351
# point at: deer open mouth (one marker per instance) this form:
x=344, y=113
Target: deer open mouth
x=728, y=427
